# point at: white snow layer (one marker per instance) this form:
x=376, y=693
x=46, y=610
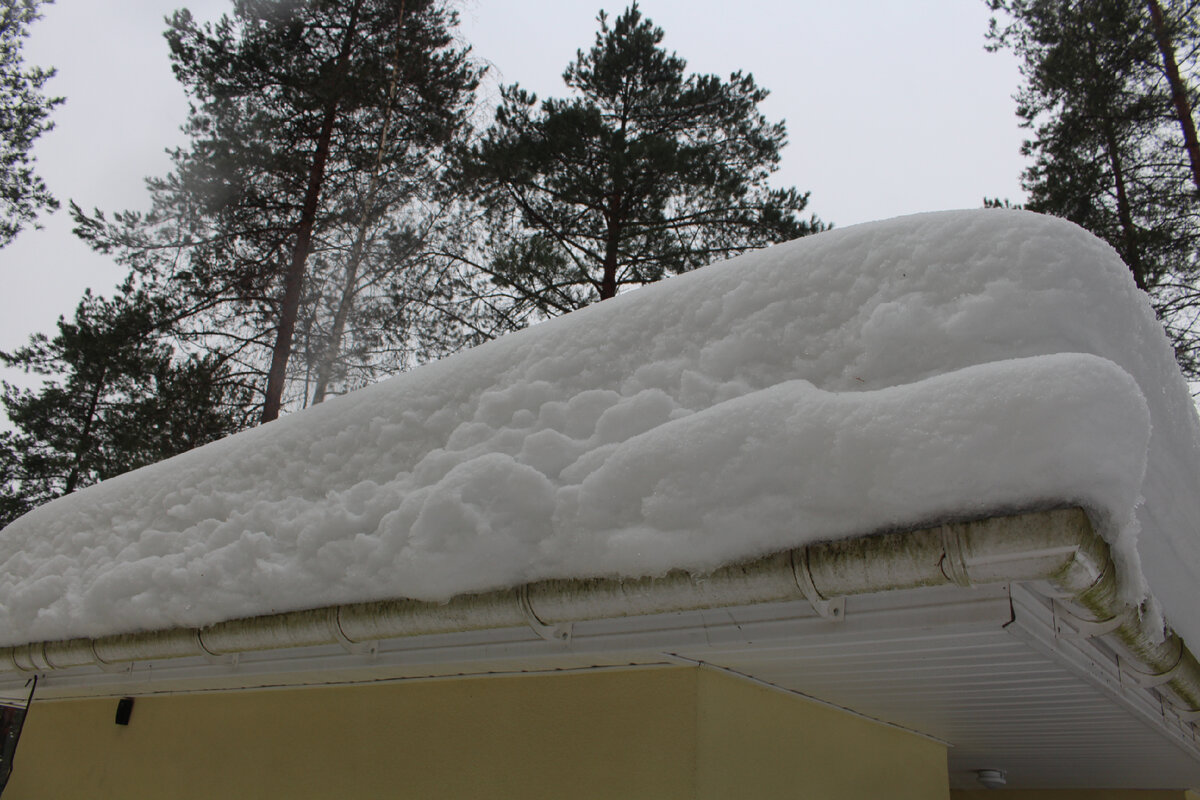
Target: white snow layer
x=882, y=376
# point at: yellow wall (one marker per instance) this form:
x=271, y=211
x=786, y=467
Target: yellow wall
x=629, y=734
x=756, y=743
x=1072, y=794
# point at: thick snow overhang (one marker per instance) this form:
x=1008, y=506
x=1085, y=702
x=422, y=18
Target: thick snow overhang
x=1005, y=638
x=652, y=467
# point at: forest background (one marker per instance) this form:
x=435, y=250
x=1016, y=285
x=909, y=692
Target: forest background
x=889, y=111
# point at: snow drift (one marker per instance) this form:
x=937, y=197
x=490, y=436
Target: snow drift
x=887, y=375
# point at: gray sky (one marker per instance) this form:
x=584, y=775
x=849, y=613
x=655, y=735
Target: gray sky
x=892, y=107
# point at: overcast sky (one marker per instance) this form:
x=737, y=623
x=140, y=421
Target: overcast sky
x=892, y=107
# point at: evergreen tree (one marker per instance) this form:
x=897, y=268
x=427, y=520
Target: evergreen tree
x=115, y=397
x=384, y=301
x=1183, y=23
x=312, y=123
x=644, y=171
x=1108, y=151
x=24, y=116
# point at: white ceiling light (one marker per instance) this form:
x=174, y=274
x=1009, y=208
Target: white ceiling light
x=991, y=778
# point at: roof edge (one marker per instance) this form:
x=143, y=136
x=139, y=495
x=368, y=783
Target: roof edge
x=1059, y=546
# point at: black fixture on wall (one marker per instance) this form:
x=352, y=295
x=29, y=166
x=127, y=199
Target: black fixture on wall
x=124, y=710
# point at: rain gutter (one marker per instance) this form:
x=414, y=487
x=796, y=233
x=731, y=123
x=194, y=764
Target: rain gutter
x=1058, y=546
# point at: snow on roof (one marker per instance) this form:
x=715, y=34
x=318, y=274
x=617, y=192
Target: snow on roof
x=886, y=375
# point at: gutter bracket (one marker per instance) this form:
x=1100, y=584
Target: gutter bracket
x=230, y=659
x=37, y=659
x=551, y=633
x=349, y=645
x=1184, y=714
x=1147, y=680
x=108, y=666
x=833, y=609
x=1071, y=626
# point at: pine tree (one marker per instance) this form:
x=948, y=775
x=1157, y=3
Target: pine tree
x=1106, y=146
x=24, y=116
x=115, y=396
x=643, y=172
x=1182, y=23
x=384, y=301
x=298, y=109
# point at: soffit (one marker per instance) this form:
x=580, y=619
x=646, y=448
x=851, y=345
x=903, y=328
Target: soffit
x=980, y=669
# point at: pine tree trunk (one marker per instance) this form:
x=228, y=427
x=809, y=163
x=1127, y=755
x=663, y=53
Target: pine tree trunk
x=608, y=283
x=1128, y=230
x=294, y=280
x=84, y=443
x=1179, y=93
x=334, y=345
x=612, y=248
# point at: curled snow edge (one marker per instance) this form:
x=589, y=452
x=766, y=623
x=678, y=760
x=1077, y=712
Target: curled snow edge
x=880, y=377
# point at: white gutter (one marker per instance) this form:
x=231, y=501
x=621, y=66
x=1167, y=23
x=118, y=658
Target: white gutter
x=1057, y=546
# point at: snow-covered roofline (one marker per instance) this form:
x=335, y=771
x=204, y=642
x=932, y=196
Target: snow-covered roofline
x=1056, y=547
x=882, y=376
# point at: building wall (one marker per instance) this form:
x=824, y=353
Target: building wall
x=1073, y=794
x=755, y=742
x=648, y=733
